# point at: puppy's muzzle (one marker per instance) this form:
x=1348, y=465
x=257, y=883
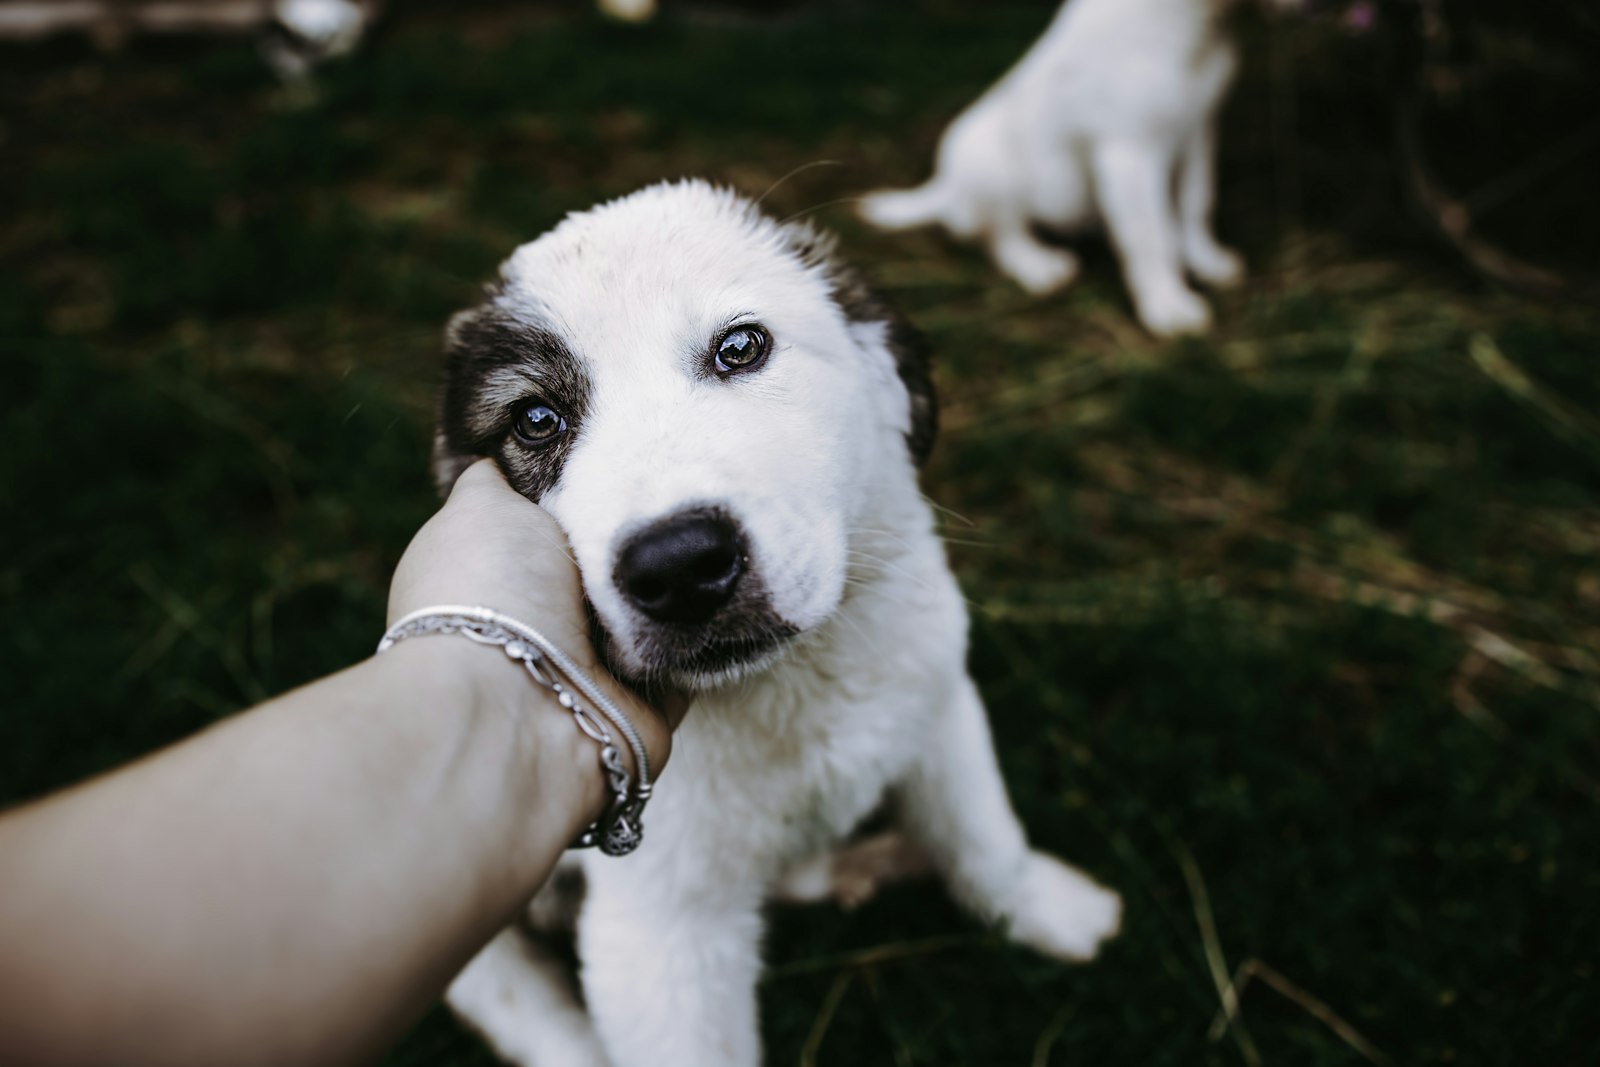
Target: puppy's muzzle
x=683, y=569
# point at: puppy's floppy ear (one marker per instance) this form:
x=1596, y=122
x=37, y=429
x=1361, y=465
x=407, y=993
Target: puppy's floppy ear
x=912, y=360
x=451, y=453
x=862, y=306
x=908, y=347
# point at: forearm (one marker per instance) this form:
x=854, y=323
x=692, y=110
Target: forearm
x=398, y=813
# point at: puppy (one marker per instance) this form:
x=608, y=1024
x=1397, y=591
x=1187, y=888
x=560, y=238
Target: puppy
x=727, y=426
x=1111, y=117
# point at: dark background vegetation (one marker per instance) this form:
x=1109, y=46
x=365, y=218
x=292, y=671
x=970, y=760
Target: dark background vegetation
x=1291, y=634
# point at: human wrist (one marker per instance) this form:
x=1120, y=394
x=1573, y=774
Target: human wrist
x=594, y=700
x=546, y=770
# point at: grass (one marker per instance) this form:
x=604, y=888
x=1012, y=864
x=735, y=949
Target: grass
x=1291, y=634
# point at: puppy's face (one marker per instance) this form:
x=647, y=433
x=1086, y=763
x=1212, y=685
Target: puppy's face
x=707, y=408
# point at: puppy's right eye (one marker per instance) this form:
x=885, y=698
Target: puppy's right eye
x=537, y=423
x=743, y=348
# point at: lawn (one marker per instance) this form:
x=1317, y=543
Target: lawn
x=1291, y=634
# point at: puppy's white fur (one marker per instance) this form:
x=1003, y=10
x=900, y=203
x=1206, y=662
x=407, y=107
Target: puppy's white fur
x=780, y=763
x=1110, y=118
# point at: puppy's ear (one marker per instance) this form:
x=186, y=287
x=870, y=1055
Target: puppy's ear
x=451, y=454
x=912, y=360
x=911, y=352
x=861, y=305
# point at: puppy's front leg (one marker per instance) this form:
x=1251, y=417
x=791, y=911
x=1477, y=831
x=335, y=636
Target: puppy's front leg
x=520, y=998
x=1133, y=188
x=1208, y=259
x=669, y=971
x=955, y=803
x=1035, y=266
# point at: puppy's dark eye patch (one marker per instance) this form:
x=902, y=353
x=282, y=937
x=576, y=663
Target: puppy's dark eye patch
x=741, y=349
x=514, y=390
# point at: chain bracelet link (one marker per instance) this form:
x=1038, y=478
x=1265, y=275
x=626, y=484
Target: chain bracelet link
x=619, y=830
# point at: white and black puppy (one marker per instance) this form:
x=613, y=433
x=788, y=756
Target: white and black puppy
x=727, y=427
x=1110, y=118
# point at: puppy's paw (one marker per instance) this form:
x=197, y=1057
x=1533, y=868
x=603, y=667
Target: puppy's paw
x=1175, y=312
x=1061, y=912
x=1216, y=266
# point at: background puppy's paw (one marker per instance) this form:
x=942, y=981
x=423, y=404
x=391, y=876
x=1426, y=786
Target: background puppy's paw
x=1037, y=268
x=1174, y=313
x=1061, y=912
x=1216, y=266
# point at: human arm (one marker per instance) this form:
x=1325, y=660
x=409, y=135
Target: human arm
x=296, y=884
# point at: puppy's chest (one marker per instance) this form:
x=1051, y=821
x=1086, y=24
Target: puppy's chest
x=790, y=773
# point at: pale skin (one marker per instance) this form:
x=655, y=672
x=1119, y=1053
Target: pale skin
x=297, y=884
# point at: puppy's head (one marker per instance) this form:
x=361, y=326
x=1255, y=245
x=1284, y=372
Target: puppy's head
x=707, y=403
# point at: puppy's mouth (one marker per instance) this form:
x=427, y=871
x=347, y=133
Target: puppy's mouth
x=719, y=659
x=745, y=642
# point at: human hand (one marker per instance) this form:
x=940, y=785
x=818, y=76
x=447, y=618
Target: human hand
x=491, y=547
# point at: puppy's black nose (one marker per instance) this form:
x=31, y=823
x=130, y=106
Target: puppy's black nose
x=681, y=569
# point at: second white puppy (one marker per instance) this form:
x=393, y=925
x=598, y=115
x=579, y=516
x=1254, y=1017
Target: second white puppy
x=1110, y=117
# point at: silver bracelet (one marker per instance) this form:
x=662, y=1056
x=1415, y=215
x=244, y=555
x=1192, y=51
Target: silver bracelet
x=617, y=832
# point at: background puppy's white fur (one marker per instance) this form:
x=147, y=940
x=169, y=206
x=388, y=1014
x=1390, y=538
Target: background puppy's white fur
x=1110, y=117
x=845, y=677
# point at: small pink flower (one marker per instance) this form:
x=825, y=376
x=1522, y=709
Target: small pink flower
x=1361, y=16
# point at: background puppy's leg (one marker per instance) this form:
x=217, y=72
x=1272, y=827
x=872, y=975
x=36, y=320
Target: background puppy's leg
x=955, y=803
x=521, y=998
x=1033, y=264
x=669, y=971
x=1133, y=187
x=1211, y=262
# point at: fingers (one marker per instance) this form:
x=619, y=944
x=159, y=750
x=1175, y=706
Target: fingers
x=490, y=545
x=671, y=703
x=483, y=478
x=482, y=486
x=656, y=712
x=675, y=705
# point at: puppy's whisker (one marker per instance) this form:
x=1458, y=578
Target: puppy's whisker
x=861, y=632
x=819, y=207
x=885, y=565
x=942, y=537
x=801, y=169
x=895, y=538
x=966, y=542
x=942, y=510
x=559, y=545
x=876, y=589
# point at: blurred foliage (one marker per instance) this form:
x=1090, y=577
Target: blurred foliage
x=1304, y=616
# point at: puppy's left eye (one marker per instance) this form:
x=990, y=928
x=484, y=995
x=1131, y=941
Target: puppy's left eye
x=537, y=423
x=742, y=348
